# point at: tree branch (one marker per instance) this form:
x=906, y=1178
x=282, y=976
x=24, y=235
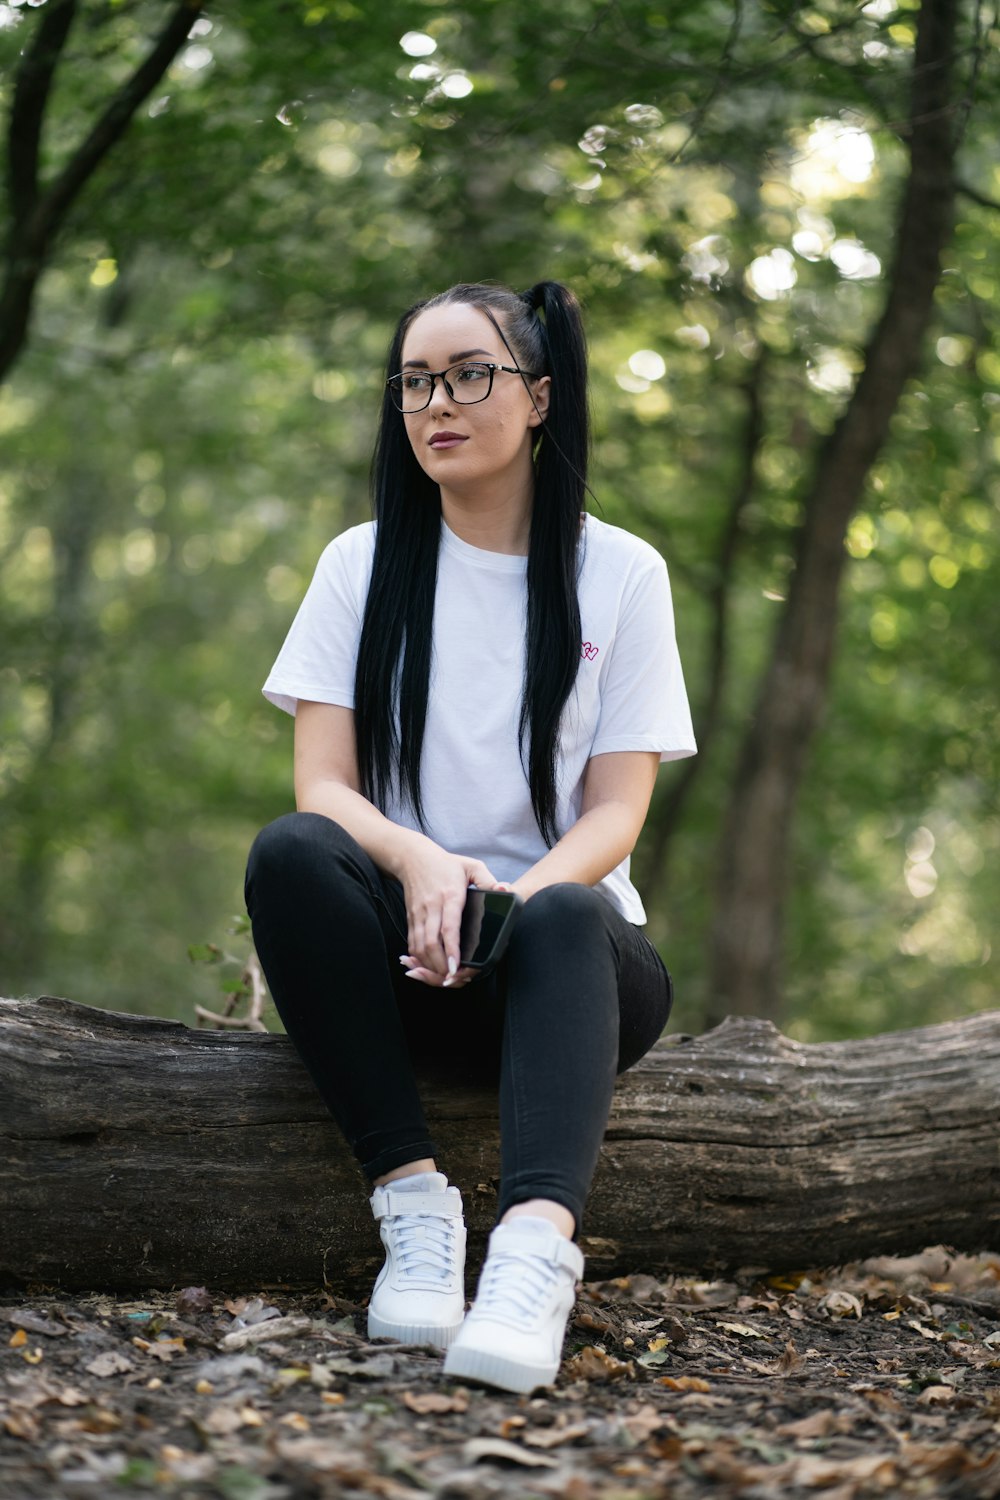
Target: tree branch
x=978, y=52
x=42, y=214
x=966, y=190
x=116, y=118
x=732, y=36
x=31, y=95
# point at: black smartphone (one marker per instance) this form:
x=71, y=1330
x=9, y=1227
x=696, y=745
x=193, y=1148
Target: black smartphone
x=487, y=922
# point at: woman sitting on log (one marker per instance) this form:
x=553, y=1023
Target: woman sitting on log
x=484, y=681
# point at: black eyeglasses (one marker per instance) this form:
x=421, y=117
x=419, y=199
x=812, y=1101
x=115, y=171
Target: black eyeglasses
x=412, y=390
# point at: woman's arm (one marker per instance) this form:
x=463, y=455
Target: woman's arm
x=617, y=787
x=434, y=881
x=327, y=782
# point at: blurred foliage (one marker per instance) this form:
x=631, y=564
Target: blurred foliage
x=194, y=419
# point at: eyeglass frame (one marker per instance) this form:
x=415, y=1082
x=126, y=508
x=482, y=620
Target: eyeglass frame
x=482, y=364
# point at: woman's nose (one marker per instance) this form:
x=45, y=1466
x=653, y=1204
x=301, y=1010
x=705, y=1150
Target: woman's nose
x=440, y=399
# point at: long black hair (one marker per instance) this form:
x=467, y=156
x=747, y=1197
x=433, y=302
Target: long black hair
x=543, y=331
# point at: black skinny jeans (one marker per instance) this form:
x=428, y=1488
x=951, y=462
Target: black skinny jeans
x=579, y=995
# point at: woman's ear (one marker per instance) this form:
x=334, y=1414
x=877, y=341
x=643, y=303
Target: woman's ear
x=540, y=392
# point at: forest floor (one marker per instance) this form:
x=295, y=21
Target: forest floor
x=876, y=1379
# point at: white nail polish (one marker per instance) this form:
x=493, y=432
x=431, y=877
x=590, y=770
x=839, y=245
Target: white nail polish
x=452, y=967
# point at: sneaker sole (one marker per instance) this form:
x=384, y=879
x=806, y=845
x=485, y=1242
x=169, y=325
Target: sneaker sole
x=412, y=1333
x=492, y=1369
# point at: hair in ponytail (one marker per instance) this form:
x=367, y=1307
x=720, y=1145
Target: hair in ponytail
x=542, y=329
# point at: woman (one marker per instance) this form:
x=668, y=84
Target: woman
x=484, y=681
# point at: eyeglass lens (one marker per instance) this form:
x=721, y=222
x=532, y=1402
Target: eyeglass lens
x=466, y=383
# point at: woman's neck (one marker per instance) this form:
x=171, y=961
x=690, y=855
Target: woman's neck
x=495, y=523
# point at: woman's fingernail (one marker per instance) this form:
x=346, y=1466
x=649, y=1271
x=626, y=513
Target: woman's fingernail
x=447, y=983
x=410, y=975
x=452, y=967
x=406, y=961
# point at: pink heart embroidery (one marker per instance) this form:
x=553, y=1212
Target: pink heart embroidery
x=589, y=651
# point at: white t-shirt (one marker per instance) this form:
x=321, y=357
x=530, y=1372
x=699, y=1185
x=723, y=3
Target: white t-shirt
x=629, y=692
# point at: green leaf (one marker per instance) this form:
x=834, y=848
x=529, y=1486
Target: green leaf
x=205, y=953
x=237, y=1483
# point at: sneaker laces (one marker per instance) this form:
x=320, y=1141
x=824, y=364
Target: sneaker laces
x=516, y=1286
x=423, y=1245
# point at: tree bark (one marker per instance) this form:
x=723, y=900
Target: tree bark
x=747, y=930
x=135, y=1152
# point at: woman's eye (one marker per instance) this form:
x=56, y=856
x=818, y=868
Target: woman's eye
x=468, y=374
x=414, y=382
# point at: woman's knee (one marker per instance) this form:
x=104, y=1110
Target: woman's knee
x=562, y=966
x=565, y=909
x=563, y=927
x=293, y=844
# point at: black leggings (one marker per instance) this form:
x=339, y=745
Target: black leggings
x=580, y=994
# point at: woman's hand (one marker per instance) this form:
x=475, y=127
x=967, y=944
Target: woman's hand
x=434, y=882
x=434, y=887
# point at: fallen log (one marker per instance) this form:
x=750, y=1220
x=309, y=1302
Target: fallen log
x=136, y=1152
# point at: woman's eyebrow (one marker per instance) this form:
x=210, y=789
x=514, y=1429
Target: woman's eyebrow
x=453, y=359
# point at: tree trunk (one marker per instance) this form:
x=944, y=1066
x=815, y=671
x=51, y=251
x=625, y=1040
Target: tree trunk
x=667, y=811
x=747, y=932
x=135, y=1152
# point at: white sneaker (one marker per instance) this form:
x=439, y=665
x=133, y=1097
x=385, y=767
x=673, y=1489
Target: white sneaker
x=419, y=1294
x=513, y=1334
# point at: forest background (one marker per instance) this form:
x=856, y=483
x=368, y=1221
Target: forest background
x=783, y=220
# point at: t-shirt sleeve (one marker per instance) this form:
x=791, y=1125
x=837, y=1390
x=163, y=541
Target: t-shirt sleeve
x=644, y=704
x=318, y=659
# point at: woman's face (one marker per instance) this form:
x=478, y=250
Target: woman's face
x=458, y=445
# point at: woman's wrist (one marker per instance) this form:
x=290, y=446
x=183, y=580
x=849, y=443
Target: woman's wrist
x=402, y=847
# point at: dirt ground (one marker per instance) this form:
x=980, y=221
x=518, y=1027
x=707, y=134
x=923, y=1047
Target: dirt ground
x=877, y=1379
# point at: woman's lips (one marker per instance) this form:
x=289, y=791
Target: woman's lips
x=446, y=440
